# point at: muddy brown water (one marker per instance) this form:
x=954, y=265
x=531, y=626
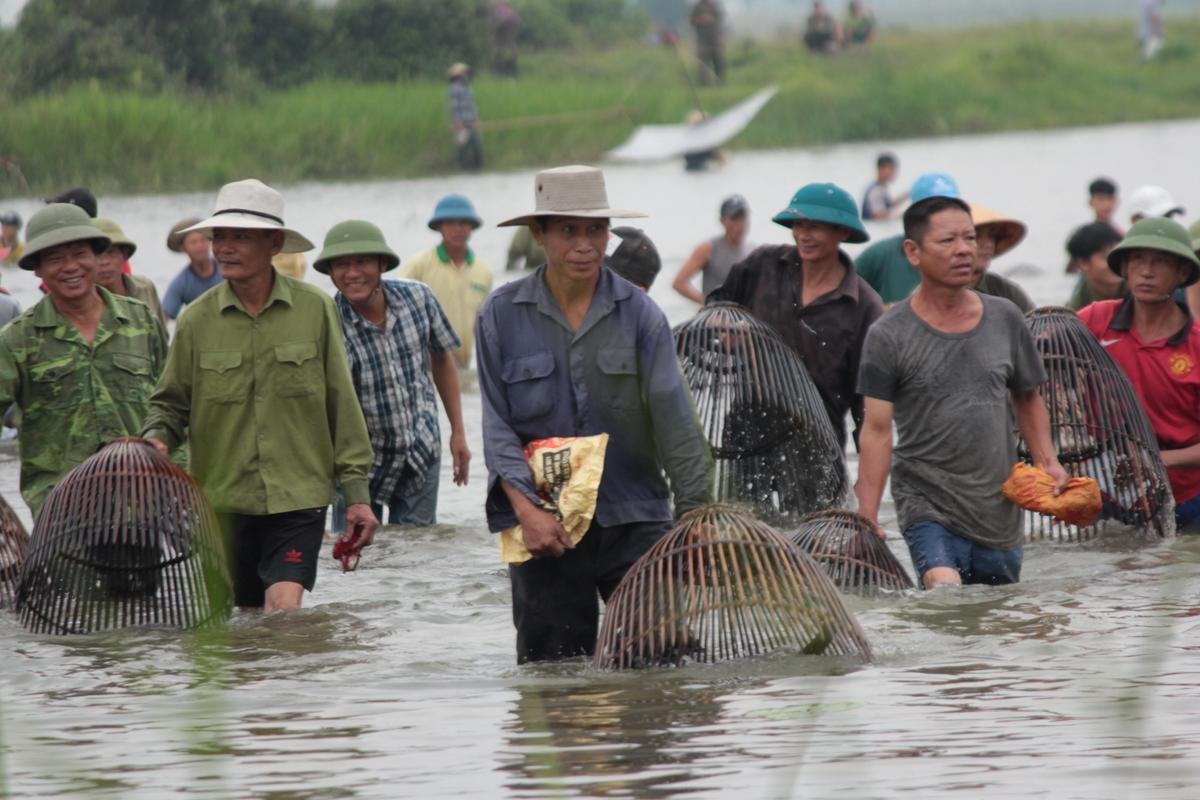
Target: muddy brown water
x=399, y=680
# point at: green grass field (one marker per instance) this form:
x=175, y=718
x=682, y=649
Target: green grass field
x=573, y=106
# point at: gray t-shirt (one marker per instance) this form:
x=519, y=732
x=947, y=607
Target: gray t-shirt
x=955, y=443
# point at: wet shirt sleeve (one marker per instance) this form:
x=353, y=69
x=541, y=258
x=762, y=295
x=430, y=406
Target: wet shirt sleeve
x=877, y=371
x=1028, y=371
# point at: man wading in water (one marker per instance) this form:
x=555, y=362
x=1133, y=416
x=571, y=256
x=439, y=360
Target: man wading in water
x=573, y=350
x=257, y=377
x=945, y=364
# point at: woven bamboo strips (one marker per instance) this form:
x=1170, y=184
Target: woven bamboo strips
x=845, y=545
x=14, y=543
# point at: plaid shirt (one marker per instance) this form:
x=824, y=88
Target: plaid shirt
x=462, y=104
x=390, y=369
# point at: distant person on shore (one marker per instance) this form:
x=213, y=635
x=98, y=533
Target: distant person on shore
x=11, y=247
x=573, y=350
x=715, y=257
x=952, y=368
x=506, y=24
x=460, y=281
x=464, y=119
x=995, y=235
x=400, y=346
x=1152, y=201
x=1103, y=200
x=699, y=160
x=80, y=364
x=821, y=32
x=109, y=275
x=636, y=258
x=858, y=27
x=79, y=196
x=708, y=21
x=1156, y=342
x=1088, y=250
x=524, y=251
x=877, y=203
x=201, y=272
x=884, y=265
x=810, y=294
x=1150, y=29
x=257, y=380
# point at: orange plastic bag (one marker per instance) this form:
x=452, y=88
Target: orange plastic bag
x=1032, y=488
x=566, y=471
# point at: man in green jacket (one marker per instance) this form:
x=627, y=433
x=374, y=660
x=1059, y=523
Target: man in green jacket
x=80, y=364
x=257, y=373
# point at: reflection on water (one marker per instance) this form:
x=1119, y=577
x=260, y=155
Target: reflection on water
x=400, y=681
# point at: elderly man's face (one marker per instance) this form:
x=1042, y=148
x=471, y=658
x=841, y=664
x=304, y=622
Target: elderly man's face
x=945, y=255
x=245, y=253
x=69, y=270
x=817, y=241
x=574, y=245
x=197, y=247
x=357, y=277
x=108, y=267
x=1152, y=275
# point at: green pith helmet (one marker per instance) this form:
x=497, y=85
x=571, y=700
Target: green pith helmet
x=59, y=223
x=355, y=237
x=1194, y=232
x=1156, y=233
x=825, y=202
x=115, y=235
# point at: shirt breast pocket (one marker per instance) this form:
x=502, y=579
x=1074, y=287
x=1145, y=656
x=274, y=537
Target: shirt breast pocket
x=621, y=387
x=222, y=377
x=299, y=370
x=52, y=384
x=131, y=377
x=529, y=382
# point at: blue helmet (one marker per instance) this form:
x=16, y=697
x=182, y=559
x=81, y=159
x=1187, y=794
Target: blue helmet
x=934, y=184
x=454, y=206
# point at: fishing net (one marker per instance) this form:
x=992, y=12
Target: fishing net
x=1099, y=431
x=773, y=445
x=722, y=585
x=124, y=539
x=852, y=555
x=14, y=542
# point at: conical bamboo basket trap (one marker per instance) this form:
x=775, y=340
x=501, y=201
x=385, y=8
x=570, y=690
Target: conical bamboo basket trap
x=723, y=585
x=845, y=545
x=773, y=445
x=125, y=539
x=14, y=543
x=1099, y=431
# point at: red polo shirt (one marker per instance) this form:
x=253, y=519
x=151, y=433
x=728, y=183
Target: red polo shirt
x=1165, y=375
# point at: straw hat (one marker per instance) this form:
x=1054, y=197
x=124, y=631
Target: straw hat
x=574, y=191
x=251, y=204
x=1008, y=232
x=115, y=235
x=176, y=236
x=458, y=70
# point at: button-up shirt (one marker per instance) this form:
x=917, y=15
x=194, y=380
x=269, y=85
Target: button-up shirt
x=616, y=374
x=267, y=402
x=828, y=333
x=390, y=369
x=75, y=396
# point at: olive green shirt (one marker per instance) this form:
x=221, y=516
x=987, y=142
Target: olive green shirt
x=74, y=396
x=142, y=288
x=267, y=401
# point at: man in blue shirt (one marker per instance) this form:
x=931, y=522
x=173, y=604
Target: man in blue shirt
x=572, y=350
x=200, y=274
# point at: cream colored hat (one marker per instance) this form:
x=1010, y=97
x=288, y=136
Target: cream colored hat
x=251, y=204
x=575, y=191
x=1008, y=232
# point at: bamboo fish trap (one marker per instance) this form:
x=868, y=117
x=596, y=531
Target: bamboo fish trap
x=722, y=585
x=1099, y=431
x=773, y=445
x=125, y=539
x=845, y=545
x=14, y=543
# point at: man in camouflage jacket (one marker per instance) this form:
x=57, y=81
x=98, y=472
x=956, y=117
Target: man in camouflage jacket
x=80, y=364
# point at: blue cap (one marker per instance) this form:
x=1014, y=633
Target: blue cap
x=454, y=206
x=934, y=184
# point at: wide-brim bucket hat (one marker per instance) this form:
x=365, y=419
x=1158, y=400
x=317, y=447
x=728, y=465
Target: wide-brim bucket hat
x=115, y=235
x=176, y=236
x=355, y=237
x=59, y=223
x=1157, y=233
x=454, y=207
x=825, y=202
x=252, y=205
x=1008, y=232
x=573, y=191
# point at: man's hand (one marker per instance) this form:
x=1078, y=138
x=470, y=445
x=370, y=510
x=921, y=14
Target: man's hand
x=461, y=457
x=160, y=446
x=1055, y=470
x=360, y=519
x=543, y=534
